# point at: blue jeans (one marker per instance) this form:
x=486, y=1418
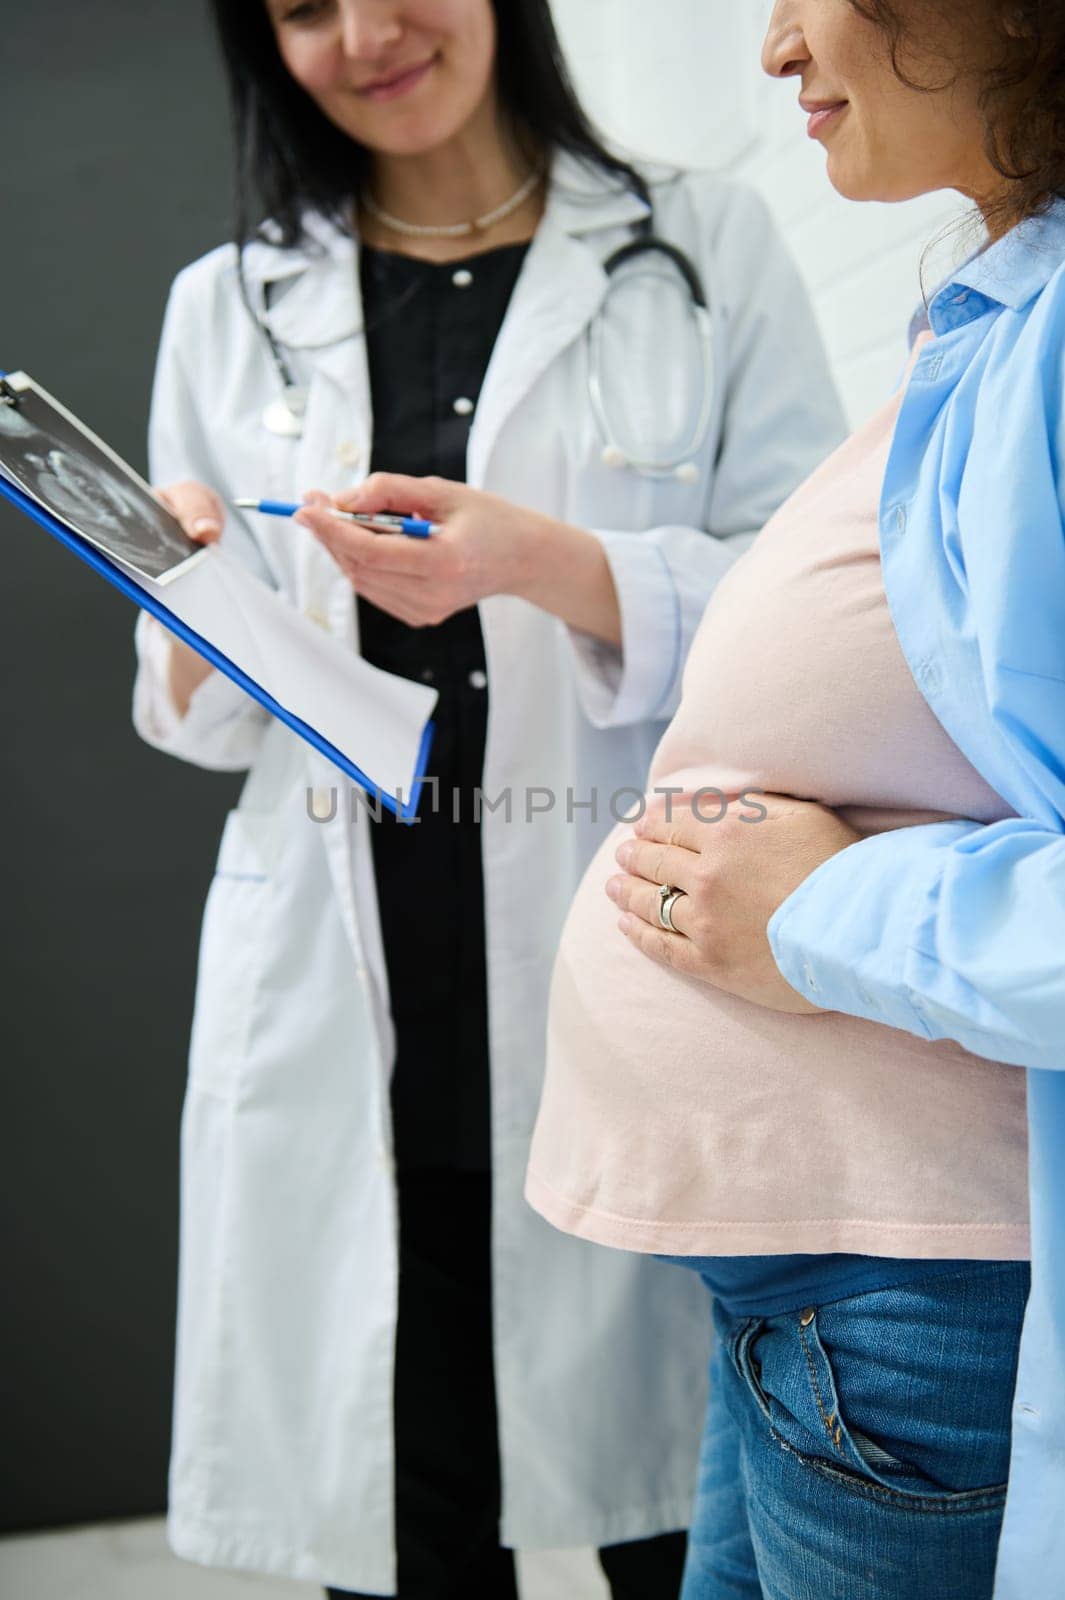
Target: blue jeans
x=859, y=1450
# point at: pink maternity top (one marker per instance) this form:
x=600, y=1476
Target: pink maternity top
x=678, y=1119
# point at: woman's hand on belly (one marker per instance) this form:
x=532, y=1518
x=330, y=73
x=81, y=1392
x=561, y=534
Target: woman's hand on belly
x=485, y=546
x=735, y=872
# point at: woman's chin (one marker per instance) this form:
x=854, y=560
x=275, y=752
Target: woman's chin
x=414, y=132
x=861, y=182
x=850, y=181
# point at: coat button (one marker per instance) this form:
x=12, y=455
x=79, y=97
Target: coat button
x=349, y=453
x=319, y=618
x=462, y=278
x=463, y=407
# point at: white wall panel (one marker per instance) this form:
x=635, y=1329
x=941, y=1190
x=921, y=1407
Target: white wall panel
x=680, y=79
x=659, y=75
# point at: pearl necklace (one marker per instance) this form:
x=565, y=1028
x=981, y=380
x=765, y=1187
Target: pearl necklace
x=455, y=230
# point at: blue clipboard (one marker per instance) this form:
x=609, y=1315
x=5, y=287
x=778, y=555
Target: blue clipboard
x=126, y=585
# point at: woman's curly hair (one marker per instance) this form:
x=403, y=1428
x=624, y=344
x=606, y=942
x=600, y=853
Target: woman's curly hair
x=1016, y=51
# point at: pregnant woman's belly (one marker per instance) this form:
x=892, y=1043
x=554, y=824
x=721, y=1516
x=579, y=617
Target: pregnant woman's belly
x=678, y=1118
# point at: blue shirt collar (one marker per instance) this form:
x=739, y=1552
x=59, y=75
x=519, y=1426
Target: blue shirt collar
x=1008, y=273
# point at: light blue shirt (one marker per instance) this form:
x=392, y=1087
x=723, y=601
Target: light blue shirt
x=957, y=930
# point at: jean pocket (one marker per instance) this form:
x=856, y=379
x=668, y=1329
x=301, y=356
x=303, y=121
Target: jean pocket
x=818, y=1427
x=743, y=1350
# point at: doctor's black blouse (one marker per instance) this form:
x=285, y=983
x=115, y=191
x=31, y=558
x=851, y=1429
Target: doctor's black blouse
x=430, y=331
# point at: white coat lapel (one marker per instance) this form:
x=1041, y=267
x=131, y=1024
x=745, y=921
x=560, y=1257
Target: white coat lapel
x=318, y=322
x=556, y=297
x=333, y=454
x=315, y=314
x=559, y=292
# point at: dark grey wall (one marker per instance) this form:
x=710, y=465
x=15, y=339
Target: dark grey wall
x=115, y=172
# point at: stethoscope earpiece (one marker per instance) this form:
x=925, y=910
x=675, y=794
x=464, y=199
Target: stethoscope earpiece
x=614, y=457
x=688, y=473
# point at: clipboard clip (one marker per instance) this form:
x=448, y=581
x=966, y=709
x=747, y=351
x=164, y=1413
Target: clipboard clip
x=8, y=395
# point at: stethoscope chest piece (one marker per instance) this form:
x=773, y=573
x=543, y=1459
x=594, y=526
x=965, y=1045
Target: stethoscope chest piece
x=613, y=456
x=284, y=416
x=679, y=458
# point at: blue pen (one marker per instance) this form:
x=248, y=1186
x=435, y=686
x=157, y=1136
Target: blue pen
x=413, y=527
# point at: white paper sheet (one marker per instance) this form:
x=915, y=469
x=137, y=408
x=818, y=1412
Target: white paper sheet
x=374, y=718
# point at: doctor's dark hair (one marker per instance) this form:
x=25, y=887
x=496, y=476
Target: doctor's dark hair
x=290, y=158
x=1015, y=50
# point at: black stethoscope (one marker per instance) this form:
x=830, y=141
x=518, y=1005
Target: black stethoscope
x=676, y=459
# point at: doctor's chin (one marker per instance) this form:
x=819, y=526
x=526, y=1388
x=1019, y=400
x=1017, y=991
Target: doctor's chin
x=535, y=530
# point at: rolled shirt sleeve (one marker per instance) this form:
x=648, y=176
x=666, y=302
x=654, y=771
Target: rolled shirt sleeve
x=663, y=580
x=947, y=931
x=222, y=728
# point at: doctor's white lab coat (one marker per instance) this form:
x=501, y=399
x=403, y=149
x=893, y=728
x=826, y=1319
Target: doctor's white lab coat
x=282, y=1455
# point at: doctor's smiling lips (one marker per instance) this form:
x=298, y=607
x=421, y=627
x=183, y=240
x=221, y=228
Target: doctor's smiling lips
x=398, y=81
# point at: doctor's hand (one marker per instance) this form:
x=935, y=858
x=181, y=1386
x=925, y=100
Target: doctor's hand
x=202, y=516
x=199, y=510
x=486, y=546
x=735, y=874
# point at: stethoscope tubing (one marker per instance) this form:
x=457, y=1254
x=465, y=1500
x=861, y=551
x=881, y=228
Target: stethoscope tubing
x=284, y=415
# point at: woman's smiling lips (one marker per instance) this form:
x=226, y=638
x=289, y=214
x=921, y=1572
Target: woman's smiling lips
x=398, y=83
x=821, y=112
